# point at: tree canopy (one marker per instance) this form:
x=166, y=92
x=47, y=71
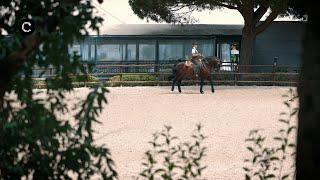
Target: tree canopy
x=297, y=8
x=179, y=11
x=42, y=137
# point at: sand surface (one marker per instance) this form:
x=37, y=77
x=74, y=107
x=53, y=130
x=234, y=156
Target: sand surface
x=134, y=113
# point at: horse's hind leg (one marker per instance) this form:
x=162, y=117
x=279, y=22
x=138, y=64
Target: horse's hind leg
x=201, y=86
x=173, y=83
x=211, y=83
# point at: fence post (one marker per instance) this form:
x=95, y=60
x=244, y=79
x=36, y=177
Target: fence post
x=120, y=80
x=275, y=59
x=50, y=72
x=158, y=77
x=235, y=77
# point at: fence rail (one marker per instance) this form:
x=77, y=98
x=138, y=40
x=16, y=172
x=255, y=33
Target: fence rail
x=273, y=74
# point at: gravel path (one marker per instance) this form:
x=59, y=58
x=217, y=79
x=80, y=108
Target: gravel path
x=134, y=113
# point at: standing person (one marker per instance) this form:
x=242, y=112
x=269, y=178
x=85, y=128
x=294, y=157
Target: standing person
x=234, y=56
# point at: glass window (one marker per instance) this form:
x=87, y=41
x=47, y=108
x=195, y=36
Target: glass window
x=205, y=47
x=75, y=48
x=92, y=52
x=228, y=53
x=110, y=52
x=225, y=55
x=85, y=52
x=101, y=52
x=147, y=52
x=170, y=50
x=131, y=52
x=225, y=52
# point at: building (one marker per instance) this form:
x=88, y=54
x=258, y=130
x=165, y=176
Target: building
x=162, y=43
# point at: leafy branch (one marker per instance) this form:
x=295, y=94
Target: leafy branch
x=266, y=162
x=169, y=159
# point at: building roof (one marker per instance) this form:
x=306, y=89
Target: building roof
x=169, y=29
x=188, y=29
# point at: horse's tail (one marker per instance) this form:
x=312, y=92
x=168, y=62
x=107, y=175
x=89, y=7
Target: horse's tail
x=174, y=69
x=172, y=75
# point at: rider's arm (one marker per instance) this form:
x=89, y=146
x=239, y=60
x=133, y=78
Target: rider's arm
x=194, y=53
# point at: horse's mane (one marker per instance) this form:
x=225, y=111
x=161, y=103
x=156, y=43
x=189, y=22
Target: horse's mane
x=178, y=61
x=209, y=58
x=204, y=60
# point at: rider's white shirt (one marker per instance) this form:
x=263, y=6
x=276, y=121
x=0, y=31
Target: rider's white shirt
x=194, y=50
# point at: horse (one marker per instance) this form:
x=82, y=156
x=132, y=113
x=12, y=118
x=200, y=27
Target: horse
x=181, y=71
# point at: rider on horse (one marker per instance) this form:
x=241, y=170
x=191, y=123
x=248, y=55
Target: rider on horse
x=195, y=59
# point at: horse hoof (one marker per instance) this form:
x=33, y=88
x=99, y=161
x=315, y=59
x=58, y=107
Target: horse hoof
x=201, y=92
x=212, y=91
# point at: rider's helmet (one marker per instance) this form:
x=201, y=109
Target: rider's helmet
x=194, y=43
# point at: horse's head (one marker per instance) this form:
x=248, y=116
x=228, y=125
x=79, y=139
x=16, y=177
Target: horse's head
x=214, y=62
x=218, y=64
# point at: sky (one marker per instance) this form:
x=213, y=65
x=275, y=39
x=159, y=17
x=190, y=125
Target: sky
x=119, y=12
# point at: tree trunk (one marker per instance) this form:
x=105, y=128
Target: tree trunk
x=247, y=46
x=8, y=68
x=5, y=77
x=308, y=141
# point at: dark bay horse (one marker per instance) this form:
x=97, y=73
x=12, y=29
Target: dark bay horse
x=181, y=71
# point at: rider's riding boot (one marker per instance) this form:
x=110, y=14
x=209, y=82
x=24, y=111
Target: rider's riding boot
x=197, y=72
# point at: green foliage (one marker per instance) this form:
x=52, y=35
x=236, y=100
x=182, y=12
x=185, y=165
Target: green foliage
x=268, y=162
x=78, y=81
x=170, y=160
x=137, y=77
x=84, y=78
x=115, y=80
x=297, y=8
x=282, y=69
x=43, y=137
x=179, y=11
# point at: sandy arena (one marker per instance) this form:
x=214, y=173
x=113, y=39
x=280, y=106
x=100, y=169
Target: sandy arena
x=134, y=113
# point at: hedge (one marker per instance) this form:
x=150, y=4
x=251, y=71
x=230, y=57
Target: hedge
x=114, y=81
x=77, y=81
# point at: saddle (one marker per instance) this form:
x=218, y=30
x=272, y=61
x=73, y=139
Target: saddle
x=188, y=62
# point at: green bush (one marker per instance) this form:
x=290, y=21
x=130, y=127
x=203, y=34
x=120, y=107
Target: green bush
x=282, y=69
x=225, y=79
x=287, y=77
x=134, y=78
x=39, y=84
x=170, y=160
x=85, y=78
x=268, y=162
x=114, y=81
x=77, y=80
x=82, y=78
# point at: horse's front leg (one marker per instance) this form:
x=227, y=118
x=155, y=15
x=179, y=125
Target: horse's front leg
x=201, y=86
x=211, y=83
x=179, y=85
